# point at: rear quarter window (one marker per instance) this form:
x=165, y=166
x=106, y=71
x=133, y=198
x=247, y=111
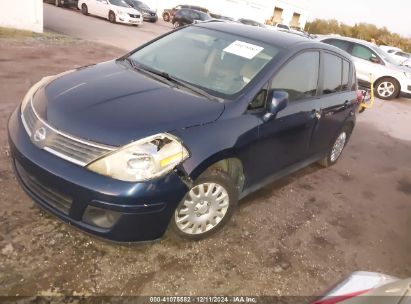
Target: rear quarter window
x=345, y=75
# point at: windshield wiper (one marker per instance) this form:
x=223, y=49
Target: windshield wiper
x=178, y=82
x=139, y=68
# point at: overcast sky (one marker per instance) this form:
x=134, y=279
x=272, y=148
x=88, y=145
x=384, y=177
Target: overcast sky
x=394, y=14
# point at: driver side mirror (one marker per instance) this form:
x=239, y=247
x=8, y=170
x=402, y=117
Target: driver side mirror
x=278, y=102
x=374, y=60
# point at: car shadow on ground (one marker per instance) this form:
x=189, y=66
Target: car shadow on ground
x=268, y=190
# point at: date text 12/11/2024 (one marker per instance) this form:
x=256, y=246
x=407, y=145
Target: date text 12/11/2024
x=203, y=299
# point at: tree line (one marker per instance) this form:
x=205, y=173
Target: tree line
x=364, y=31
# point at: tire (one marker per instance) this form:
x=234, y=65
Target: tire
x=84, y=9
x=387, y=88
x=337, y=147
x=197, y=218
x=176, y=24
x=112, y=17
x=166, y=17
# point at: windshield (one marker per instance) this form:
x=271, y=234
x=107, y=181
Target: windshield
x=204, y=16
x=121, y=3
x=218, y=62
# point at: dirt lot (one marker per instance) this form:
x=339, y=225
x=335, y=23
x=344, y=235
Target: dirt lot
x=294, y=237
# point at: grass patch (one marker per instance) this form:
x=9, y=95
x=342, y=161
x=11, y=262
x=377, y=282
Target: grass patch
x=13, y=33
x=21, y=35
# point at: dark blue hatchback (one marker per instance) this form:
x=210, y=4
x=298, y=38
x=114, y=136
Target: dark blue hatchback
x=173, y=134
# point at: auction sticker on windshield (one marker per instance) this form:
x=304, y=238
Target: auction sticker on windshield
x=243, y=49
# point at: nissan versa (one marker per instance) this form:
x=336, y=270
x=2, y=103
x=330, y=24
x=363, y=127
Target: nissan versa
x=173, y=134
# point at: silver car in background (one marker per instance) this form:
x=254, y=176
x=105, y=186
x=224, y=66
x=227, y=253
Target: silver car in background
x=363, y=287
x=391, y=79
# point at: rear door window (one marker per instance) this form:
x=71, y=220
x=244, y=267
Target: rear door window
x=332, y=73
x=299, y=77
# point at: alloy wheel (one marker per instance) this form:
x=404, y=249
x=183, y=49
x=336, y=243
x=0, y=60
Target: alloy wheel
x=338, y=147
x=386, y=89
x=203, y=209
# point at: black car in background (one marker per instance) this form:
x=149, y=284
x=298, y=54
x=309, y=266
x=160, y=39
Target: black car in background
x=168, y=14
x=65, y=3
x=188, y=16
x=148, y=13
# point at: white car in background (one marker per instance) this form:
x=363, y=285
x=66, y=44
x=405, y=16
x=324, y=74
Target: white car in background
x=113, y=10
x=403, y=57
x=281, y=26
x=391, y=79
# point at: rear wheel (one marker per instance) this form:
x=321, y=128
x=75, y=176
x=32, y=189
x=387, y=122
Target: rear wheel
x=336, y=149
x=176, y=24
x=166, y=17
x=112, y=17
x=206, y=208
x=387, y=88
x=84, y=9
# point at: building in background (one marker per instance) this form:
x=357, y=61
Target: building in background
x=289, y=12
x=23, y=15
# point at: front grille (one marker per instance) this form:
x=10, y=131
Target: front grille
x=134, y=16
x=73, y=149
x=50, y=197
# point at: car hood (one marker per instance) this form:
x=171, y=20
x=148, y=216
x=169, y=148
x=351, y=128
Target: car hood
x=128, y=10
x=111, y=103
x=400, y=68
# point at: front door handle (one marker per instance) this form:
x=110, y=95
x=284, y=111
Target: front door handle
x=317, y=114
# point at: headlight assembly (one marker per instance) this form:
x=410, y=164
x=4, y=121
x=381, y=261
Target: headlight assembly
x=32, y=91
x=142, y=160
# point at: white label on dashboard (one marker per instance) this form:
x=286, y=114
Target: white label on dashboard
x=243, y=49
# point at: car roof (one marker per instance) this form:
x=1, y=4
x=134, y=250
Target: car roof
x=269, y=36
x=193, y=10
x=349, y=39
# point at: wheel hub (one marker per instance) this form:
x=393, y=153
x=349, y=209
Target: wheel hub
x=386, y=89
x=202, y=208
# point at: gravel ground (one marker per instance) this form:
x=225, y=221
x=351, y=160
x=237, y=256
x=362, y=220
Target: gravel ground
x=294, y=237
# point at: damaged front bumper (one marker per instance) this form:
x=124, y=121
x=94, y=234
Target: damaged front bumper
x=105, y=207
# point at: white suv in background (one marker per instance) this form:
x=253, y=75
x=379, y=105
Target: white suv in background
x=390, y=78
x=113, y=10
